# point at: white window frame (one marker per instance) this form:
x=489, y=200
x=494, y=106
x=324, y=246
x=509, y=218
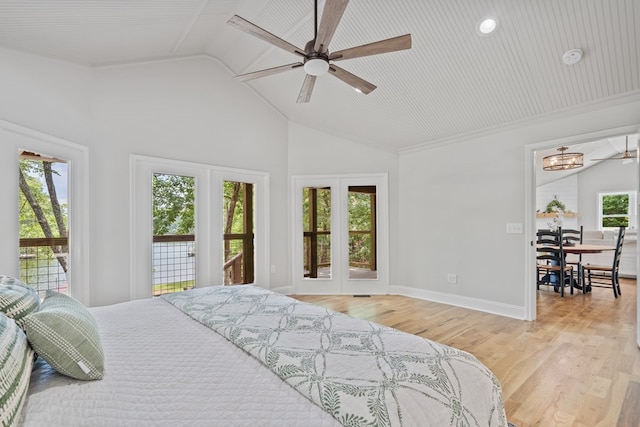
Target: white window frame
x=16, y=138
x=208, y=219
x=632, y=212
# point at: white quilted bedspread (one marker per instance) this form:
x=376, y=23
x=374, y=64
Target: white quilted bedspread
x=363, y=373
x=165, y=369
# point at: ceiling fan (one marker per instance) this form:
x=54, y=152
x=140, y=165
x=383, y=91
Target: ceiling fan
x=316, y=58
x=627, y=155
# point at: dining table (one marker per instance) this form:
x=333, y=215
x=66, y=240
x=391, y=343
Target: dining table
x=580, y=249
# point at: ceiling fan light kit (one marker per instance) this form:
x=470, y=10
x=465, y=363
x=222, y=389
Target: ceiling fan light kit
x=316, y=66
x=316, y=58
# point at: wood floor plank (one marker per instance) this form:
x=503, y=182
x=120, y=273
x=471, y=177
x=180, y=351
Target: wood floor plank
x=629, y=415
x=578, y=365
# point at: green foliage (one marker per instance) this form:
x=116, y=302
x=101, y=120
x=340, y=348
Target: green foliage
x=323, y=208
x=359, y=211
x=29, y=226
x=554, y=205
x=615, y=204
x=173, y=204
x=230, y=188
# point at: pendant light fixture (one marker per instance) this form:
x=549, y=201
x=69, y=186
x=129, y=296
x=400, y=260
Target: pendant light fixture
x=563, y=161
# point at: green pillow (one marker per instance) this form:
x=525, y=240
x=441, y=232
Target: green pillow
x=65, y=334
x=17, y=299
x=16, y=361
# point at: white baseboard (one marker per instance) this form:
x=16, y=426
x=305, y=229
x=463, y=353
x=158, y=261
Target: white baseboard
x=507, y=310
x=486, y=306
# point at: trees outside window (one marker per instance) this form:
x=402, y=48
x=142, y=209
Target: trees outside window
x=43, y=219
x=618, y=209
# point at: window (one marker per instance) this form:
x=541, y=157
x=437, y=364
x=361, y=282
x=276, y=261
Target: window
x=316, y=222
x=617, y=209
x=173, y=248
x=362, y=232
x=238, y=237
x=43, y=219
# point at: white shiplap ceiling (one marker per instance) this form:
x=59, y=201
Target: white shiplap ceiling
x=451, y=83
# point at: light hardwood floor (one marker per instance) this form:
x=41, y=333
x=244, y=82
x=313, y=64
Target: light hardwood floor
x=577, y=365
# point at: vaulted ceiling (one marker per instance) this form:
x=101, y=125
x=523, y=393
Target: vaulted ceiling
x=452, y=82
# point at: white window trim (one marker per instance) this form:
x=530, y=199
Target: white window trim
x=16, y=138
x=208, y=221
x=633, y=209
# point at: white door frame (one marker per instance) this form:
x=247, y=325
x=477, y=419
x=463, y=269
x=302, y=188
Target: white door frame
x=340, y=283
x=208, y=220
x=530, y=206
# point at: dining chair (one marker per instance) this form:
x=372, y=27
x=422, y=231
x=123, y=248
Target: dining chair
x=573, y=237
x=604, y=276
x=551, y=261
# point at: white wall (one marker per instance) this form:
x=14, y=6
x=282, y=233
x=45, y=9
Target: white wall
x=448, y=204
x=50, y=96
x=456, y=200
x=190, y=109
x=604, y=177
x=53, y=98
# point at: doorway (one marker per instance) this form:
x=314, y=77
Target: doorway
x=582, y=206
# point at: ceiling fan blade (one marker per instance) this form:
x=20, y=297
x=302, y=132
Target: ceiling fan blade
x=352, y=80
x=626, y=155
x=254, y=30
x=331, y=15
x=268, y=71
x=383, y=46
x=307, y=88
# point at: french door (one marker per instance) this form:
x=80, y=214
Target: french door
x=340, y=234
x=226, y=243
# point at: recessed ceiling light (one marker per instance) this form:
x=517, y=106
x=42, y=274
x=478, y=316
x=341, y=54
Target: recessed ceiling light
x=487, y=26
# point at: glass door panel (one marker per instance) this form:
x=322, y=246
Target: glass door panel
x=238, y=230
x=43, y=219
x=362, y=232
x=173, y=250
x=316, y=222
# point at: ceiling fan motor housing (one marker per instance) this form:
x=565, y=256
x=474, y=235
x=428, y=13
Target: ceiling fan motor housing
x=315, y=64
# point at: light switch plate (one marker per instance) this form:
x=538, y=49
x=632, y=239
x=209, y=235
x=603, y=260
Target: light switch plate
x=514, y=228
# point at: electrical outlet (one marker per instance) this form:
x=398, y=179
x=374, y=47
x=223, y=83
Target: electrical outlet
x=273, y=269
x=452, y=278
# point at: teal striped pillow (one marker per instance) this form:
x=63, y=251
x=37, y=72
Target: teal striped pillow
x=64, y=333
x=17, y=299
x=16, y=361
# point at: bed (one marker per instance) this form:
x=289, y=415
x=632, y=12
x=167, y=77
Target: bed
x=246, y=356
